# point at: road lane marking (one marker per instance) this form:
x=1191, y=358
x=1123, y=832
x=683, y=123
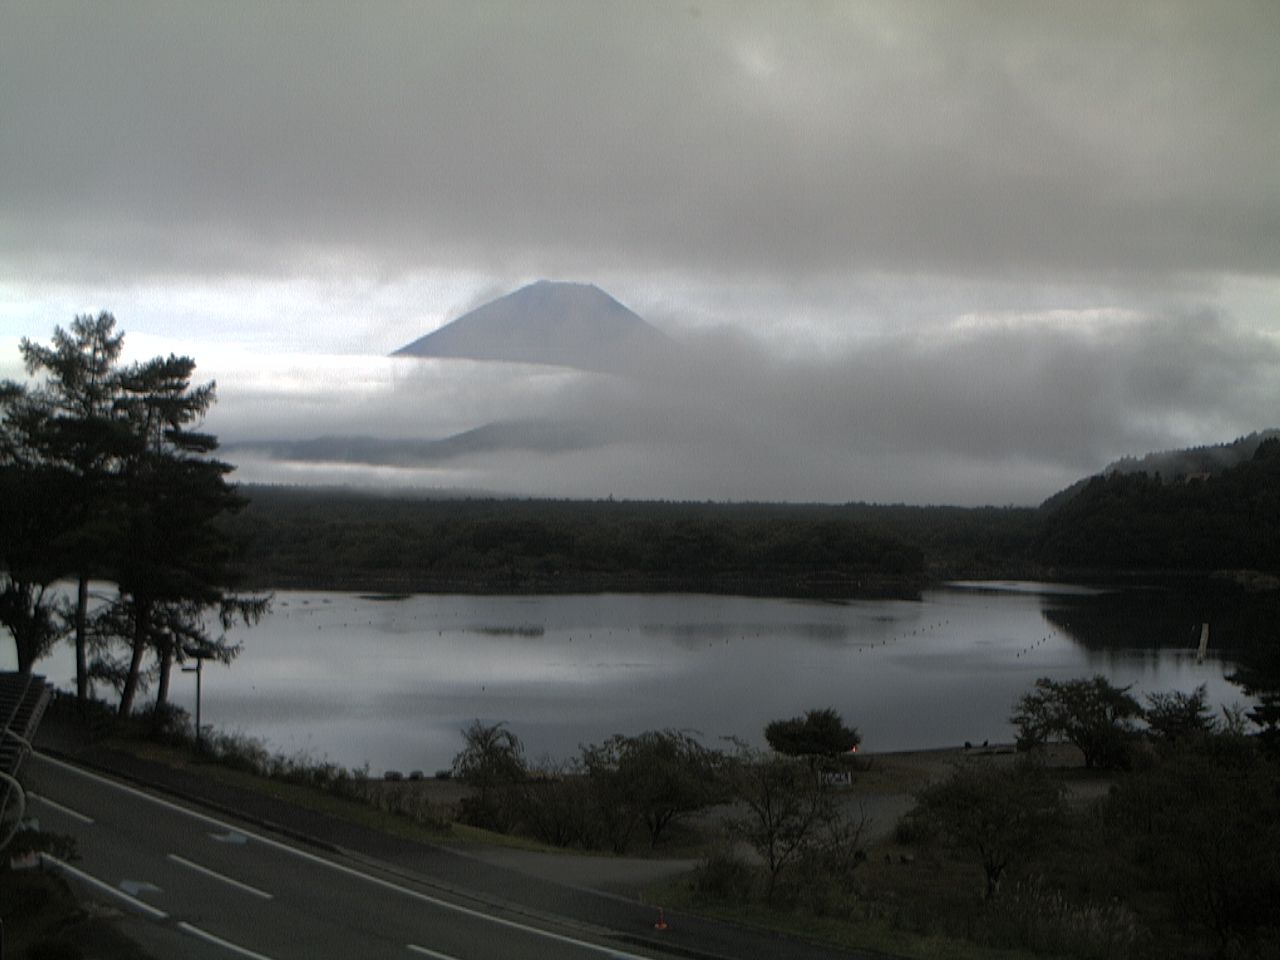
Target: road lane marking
x=93, y=881
x=220, y=876
x=73, y=814
x=218, y=941
x=135, y=887
x=610, y=952
x=414, y=948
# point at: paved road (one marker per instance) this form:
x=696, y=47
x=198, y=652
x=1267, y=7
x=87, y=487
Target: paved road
x=202, y=886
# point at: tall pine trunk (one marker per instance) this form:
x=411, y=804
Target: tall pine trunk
x=25, y=649
x=82, y=640
x=141, y=631
x=165, y=655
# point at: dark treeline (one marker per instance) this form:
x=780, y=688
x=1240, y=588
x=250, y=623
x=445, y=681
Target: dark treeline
x=343, y=539
x=1122, y=523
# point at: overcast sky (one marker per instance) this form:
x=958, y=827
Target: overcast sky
x=942, y=252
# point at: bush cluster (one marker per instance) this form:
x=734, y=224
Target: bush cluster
x=1181, y=857
x=614, y=792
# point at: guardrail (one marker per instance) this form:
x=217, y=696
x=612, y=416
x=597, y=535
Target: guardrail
x=23, y=698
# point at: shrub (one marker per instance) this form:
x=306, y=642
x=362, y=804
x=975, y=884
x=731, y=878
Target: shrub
x=492, y=761
x=1091, y=714
x=558, y=808
x=911, y=830
x=1202, y=823
x=723, y=876
x=818, y=734
x=167, y=722
x=784, y=806
x=1171, y=716
x=1034, y=917
x=998, y=814
x=652, y=779
x=822, y=880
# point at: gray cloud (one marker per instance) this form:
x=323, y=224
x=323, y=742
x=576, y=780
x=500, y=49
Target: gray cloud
x=547, y=137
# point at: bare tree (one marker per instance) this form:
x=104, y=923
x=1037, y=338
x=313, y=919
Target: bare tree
x=785, y=809
x=998, y=813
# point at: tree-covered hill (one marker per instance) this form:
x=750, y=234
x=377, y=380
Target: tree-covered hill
x=1139, y=521
x=1177, y=466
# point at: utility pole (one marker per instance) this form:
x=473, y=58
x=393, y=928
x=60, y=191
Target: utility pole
x=198, y=670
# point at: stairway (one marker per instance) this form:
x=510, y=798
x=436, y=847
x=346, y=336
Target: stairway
x=23, y=698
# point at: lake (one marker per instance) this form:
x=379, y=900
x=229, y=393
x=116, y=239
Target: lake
x=391, y=682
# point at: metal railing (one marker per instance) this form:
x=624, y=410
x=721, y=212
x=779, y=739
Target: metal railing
x=23, y=698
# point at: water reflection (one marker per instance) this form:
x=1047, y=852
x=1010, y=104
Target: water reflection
x=1168, y=615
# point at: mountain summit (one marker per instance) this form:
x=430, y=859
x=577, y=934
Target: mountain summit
x=564, y=324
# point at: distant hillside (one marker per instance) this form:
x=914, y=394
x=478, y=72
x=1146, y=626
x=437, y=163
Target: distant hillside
x=1226, y=520
x=563, y=324
x=537, y=436
x=1176, y=466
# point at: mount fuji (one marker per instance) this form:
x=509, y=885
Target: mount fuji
x=574, y=325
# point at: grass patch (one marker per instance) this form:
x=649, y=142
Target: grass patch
x=865, y=929
x=466, y=834
x=363, y=810
x=915, y=901
x=353, y=809
x=43, y=918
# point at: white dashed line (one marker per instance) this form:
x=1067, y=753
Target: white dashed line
x=218, y=941
x=191, y=865
x=73, y=814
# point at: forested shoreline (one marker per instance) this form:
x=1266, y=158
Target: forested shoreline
x=304, y=538
x=1114, y=526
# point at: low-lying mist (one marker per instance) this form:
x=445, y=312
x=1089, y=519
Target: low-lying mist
x=1000, y=411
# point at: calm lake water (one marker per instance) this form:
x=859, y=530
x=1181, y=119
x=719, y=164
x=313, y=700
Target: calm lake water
x=392, y=682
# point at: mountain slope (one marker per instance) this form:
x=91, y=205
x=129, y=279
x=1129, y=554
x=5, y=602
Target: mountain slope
x=1136, y=521
x=563, y=324
x=528, y=436
x=1174, y=466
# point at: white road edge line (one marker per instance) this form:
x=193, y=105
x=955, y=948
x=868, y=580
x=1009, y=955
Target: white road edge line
x=225, y=944
x=93, y=881
x=610, y=952
x=192, y=865
x=73, y=814
x=414, y=948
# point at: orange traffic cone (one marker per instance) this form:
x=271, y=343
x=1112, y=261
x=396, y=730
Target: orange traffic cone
x=662, y=923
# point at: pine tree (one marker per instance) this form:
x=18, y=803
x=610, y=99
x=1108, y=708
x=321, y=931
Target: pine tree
x=72, y=440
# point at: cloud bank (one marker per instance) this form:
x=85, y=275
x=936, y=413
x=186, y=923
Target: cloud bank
x=1005, y=412
x=722, y=137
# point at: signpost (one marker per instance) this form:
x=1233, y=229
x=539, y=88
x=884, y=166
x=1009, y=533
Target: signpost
x=198, y=670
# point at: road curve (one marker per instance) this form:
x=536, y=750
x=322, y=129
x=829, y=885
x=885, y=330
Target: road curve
x=234, y=891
